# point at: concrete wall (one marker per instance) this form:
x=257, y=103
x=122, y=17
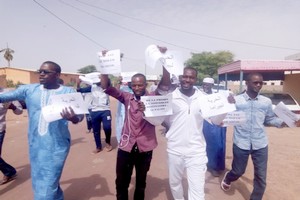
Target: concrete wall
x=29, y=76
x=3, y=81
x=270, y=86
x=18, y=75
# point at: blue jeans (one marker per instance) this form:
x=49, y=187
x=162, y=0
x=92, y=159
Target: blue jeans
x=2, y=135
x=125, y=163
x=239, y=164
x=103, y=117
x=88, y=121
x=7, y=169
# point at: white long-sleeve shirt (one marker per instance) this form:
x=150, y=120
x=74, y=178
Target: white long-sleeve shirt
x=185, y=136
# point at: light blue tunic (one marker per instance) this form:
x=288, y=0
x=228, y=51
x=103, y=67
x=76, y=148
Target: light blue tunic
x=49, y=143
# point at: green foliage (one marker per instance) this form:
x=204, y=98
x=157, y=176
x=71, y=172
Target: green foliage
x=87, y=69
x=113, y=79
x=207, y=63
x=11, y=84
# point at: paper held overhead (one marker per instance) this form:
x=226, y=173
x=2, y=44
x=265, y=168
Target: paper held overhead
x=171, y=60
x=110, y=62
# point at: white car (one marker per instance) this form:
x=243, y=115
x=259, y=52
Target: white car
x=287, y=99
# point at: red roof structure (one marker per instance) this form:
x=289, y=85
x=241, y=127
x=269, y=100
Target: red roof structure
x=270, y=69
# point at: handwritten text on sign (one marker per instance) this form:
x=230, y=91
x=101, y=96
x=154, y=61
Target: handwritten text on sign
x=57, y=103
x=235, y=118
x=110, y=62
x=215, y=104
x=157, y=105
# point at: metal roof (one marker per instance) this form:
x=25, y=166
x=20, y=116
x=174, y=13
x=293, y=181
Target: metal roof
x=260, y=65
x=271, y=69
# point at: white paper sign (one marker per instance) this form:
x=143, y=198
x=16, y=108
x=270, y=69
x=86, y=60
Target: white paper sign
x=174, y=62
x=110, y=63
x=171, y=60
x=90, y=78
x=153, y=56
x=217, y=120
x=285, y=114
x=215, y=104
x=235, y=118
x=57, y=103
x=157, y=105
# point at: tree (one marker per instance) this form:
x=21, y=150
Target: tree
x=87, y=69
x=8, y=54
x=207, y=63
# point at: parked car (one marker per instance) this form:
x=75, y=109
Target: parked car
x=287, y=99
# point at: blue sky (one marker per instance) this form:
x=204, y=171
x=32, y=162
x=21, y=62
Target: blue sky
x=77, y=29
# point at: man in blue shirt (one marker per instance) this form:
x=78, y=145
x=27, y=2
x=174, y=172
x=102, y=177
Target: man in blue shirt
x=215, y=137
x=49, y=142
x=250, y=138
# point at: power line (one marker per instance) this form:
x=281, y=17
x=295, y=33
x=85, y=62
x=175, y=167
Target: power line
x=127, y=29
x=187, y=32
x=72, y=27
x=82, y=34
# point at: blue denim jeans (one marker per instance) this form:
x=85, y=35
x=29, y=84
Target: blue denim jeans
x=2, y=135
x=88, y=121
x=103, y=117
x=125, y=163
x=7, y=169
x=239, y=164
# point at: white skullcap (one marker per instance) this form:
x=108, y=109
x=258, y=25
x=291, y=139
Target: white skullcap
x=208, y=80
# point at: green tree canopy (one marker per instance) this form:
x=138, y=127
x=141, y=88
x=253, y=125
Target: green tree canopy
x=207, y=63
x=87, y=69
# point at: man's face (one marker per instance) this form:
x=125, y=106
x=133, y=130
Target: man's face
x=48, y=75
x=138, y=86
x=254, y=84
x=188, y=79
x=207, y=87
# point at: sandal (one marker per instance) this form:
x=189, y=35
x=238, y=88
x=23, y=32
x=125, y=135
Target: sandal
x=108, y=148
x=7, y=179
x=225, y=187
x=97, y=151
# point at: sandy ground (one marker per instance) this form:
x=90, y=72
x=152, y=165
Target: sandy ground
x=89, y=177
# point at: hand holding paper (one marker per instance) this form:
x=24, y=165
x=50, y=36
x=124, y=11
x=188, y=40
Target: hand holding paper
x=69, y=114
x=215, y=104
x=52, y=112
x=286, y=115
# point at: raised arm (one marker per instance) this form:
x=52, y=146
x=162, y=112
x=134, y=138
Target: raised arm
x=104, y=81
x=165, y=82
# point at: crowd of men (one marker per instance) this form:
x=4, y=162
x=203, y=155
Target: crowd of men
x=189, y=150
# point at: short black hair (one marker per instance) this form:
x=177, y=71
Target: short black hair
x=57, y=68
x=191, y=68
x=249, y=76
x=139, y=75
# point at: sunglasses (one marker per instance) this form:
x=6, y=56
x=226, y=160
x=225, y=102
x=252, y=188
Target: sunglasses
x=40, y=71
x=258, y=82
